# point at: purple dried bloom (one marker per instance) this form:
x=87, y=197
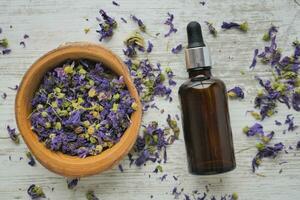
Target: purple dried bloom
x=176, y=193
x=187, y=197
x=74, y=118
x=163, y=177
x=202, y=198
x=106, y=27
x=90, y=195
x=124, y=20
x=6, y=51
x=169, y=22
x=278, y=123
x=236, y=92
x=14, y=88
x=271, y=33
x=35, y=192
x=72, y=183
x=13, y=135
x=230, y=25
x=139, y=22
x=143, y=157
x=130, y=51
x=297, y=51
x=165, y=155
x=290, y=121
x=202, y=3
x=172, y=82
x=120, y=168
x=177, y=49
x=25, y=36
x=150, y=47
x=4, y=95
x=253, y=64
x=256, y=129
x=296, y=101
x=31, y=159
x=115, y=3
x=268, y=151
x=298, y=145
x=23, y=44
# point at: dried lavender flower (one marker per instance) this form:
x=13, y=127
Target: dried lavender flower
x=120, y=168
x=264, y=152
x=115, y=3
x=3, y=95
x=139, y=22
x=169, y=22
x=31, y=161
x=150, y=47
x=35, y=192
x=13, y=135
x=106, y=27
x=271, y=32
x=124, y=20
x=14, y=88
x=133, y=42
x=212, y=29
x=6, y=51
x=236, y=93
x=229, y=25
x=290, y=121
x=72, y=183
x=253, y=64
x=177, y=49
x=23, y=44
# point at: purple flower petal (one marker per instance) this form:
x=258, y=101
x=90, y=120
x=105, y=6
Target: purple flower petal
x=6, y=51
x=169, y=22
x=124, y=20
x=236, y=92
x=253, y=64
x=23, y=44
x=290, y=121
x=150, y=47
x=115, y=3
x=35, y=192
x=4, y=95
x=72, y=183
x=13, y=135
x=177, y=49
x=139, y=22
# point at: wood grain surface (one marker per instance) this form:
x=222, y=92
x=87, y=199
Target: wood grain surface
x=50, y=23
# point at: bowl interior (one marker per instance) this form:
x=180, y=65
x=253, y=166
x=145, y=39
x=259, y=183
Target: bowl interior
x=66, y=165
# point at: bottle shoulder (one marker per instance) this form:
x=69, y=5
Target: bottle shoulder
x=202, y=83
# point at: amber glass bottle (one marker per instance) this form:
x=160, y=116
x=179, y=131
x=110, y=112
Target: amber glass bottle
x=206, y=123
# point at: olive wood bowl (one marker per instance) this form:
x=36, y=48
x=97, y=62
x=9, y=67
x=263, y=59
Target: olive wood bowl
x=66, y=165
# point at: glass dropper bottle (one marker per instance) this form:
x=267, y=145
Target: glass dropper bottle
x=206, y=123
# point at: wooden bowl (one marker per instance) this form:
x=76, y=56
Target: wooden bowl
x=66, y=165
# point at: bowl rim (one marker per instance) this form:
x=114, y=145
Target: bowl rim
x=64, y=164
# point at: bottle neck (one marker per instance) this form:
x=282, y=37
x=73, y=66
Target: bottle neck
x=205, y=71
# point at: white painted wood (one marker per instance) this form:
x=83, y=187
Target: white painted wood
x=52, y=22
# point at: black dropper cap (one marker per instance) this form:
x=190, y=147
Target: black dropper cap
x=194, y=33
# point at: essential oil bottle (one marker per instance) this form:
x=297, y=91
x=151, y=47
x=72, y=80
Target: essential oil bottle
x=205, y=116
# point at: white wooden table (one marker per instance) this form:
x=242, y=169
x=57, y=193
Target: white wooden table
x=52, y=22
